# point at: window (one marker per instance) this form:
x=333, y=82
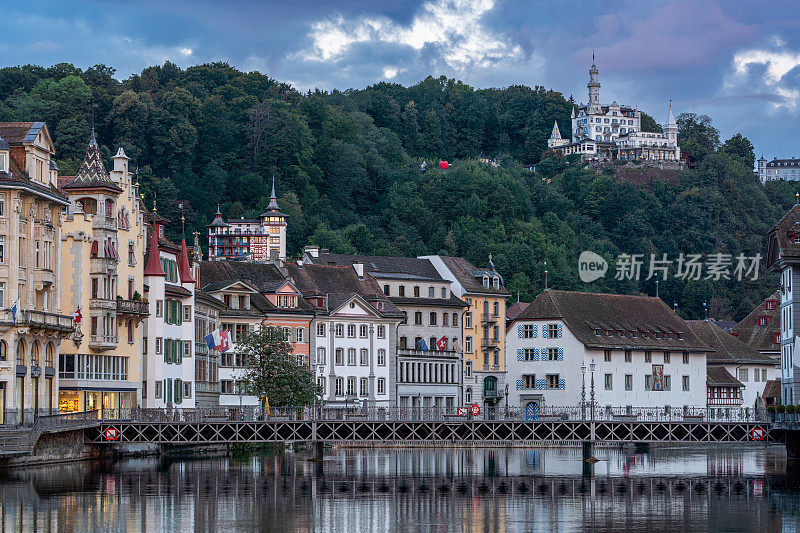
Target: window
x=552, y=331
x=381, y=332
x=648, y=382
x=529, y=381
x=187, y=390
x=607, y=356
x=381, y=357
x=648, y=356
x=363, y=357
x=496, y=309
x=363, y=387
x=667, y=382
x=381, y=385
x=321, y=329
x=131, y=254
x=158, y=389
x=445, y=319
x=187, y=313
x=608, y=382
x=552, y=354
x=339, y=386
x=685, y=358
x=351, y=330
x=418, y=318
x=527, y=331
x=628, y=356
x=321, y=386
x=628, y=381
x=340, y=330
x=339, y=359
x=2, y=249
x=351, y=386
x=468, y=320
x=743, y=375
x=362, y=331
x=468, y=344
x=433, y=319
x=159, y=307
x=386, y=290
x=444, y=289
x=158, y=345
x=416, y=292
x=666, y=357
x=351, y=356
x=468, y=369
x=468, y=395
x=320, y=356
x=552, y=381
x=402, y=290
x=455, y=320
x=431, y=294
x=528, y=354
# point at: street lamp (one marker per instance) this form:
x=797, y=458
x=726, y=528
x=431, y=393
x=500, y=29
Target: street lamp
x=506, y=400
x=583, y=391
x=591, y=391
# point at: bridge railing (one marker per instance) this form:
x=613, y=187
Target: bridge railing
x=442, y=414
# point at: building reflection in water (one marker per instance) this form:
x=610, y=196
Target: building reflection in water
x=413, y=489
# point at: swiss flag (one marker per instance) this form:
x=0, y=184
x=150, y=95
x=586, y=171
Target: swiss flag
x=441, y=344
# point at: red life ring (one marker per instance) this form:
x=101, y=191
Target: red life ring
x=476, y=409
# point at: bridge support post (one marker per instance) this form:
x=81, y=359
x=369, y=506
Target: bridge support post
x=319, y=453
x=588, y=458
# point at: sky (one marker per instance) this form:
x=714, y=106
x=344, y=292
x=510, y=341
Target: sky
x=736, y=61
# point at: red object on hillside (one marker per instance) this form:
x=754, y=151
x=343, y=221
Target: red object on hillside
x=443, y=165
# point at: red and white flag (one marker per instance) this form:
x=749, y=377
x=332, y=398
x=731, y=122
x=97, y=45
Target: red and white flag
x=76, y=316
x=441, y=344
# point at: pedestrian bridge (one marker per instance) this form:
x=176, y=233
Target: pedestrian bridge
x=394, y=426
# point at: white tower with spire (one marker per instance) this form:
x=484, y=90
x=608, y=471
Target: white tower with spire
x=271, y=243
x=594, y=87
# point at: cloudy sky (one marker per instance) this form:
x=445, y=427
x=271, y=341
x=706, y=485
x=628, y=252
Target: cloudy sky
x=737, y=61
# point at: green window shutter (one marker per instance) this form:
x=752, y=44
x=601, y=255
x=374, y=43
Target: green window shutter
x=165, y=347
x=179, y=351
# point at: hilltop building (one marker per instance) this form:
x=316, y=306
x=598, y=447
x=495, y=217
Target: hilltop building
x=778, y=169
x=614, y=131
x=102, y=278
x=260, y=239
x=30, y=273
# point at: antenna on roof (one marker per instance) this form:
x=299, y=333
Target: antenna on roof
x=545, y=275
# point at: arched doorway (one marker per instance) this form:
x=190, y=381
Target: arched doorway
x=532, y=411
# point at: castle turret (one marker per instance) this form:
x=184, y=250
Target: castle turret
x=555, y=137
x=273, y=226
x=594, y=86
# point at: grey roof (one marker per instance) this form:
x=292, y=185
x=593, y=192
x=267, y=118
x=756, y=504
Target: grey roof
x=385, y=267
x=464, y=272
x=718, y=376
x=727, y=348
x=4, y=145
x=635, y=322
x=762, y=338
x=453, y=301
x=20, y=132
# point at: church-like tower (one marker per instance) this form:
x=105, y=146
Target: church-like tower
x=594, y=87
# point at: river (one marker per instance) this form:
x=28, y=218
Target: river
x=719, y=488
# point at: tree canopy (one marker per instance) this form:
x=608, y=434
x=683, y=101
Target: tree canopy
x=347, y=166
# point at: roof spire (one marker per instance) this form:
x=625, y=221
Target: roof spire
x=273, y=200
x=153, y=265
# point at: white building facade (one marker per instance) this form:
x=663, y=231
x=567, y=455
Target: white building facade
x=778, y=169
x=643, y=354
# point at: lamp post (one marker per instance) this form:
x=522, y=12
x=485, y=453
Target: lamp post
x=506, y=400
x=583, y=391
x=591, y=396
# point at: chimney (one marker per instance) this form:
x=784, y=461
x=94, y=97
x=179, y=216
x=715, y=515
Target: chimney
x=359, y=268
x=312, y=250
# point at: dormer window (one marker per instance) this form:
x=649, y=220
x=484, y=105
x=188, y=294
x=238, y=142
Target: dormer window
x=486, y=281
x=776, y=337
x=796, y=239
x=770, y=304
x=496, y=282
x=763, y=320
x=3, y=161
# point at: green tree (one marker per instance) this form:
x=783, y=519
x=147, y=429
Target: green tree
x=696, y=136
x=741, y=148
x=274, y=371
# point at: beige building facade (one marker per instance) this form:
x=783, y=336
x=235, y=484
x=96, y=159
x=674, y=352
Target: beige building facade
x=103, y=245
x=31, y=320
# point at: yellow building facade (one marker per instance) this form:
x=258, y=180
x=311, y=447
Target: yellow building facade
x=103, y=247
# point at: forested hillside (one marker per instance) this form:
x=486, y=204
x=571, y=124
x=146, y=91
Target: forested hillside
x=348, y=171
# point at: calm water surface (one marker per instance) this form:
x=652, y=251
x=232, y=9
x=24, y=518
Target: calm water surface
x=721, y=488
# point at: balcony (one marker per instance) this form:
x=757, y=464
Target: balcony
x=102, y=303
x=103, y=265
x=488, y=318
x=206, y=386
x=132, y=307
x=47, y=321
x=103, y=342
x=103, y=222
x=42, y=278
x=490, y=394
x=200, y=348
x=488, y=342
x=408, y=352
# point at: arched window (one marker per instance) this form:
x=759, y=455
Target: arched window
x=486, y=307
x=496, y=309
x=35, y=353
x=489, y=384
x=3, y=351
x=89, y=205
x=21, y=352
x=468, y=395
x=432, y=345
x=48, y=355
x=433, y=318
